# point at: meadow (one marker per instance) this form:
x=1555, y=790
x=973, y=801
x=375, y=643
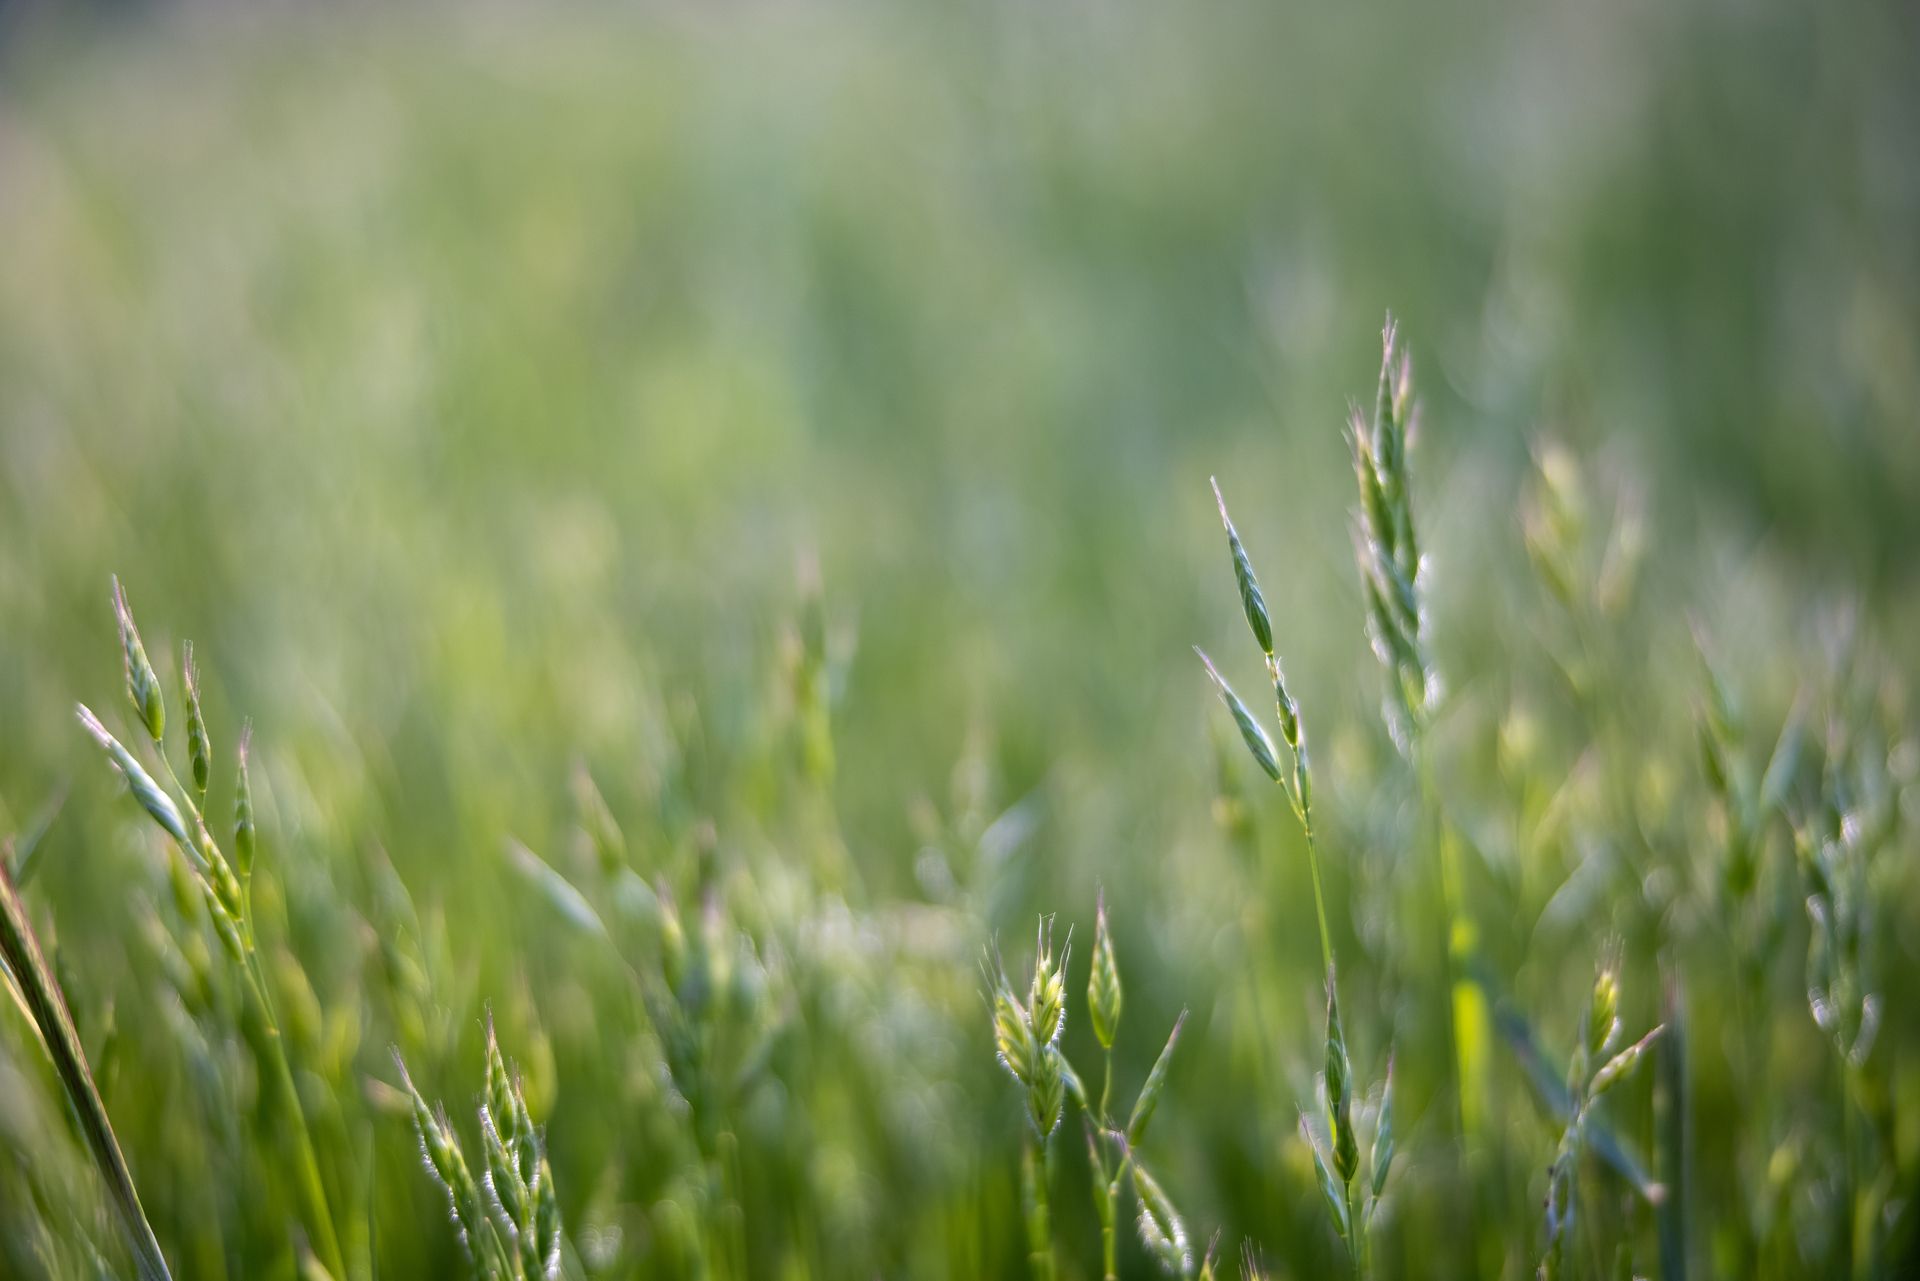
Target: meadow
x=598, y=623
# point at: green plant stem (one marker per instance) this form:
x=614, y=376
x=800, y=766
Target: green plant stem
x=1356, y=1236
x=49, y=1013
x=1457, y=946
x=1106, y=1191
x=1033, y=1186
x=1319, y=896
x=1109, y=1241
x=1454, y=941
x=313, y=1194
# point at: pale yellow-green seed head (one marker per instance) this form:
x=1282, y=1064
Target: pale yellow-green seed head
x=1104, y=996
x=1047, y=999
x=1013, y=1039
x=1603, y=1012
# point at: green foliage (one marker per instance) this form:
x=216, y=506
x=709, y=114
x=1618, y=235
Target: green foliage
x=704, y=517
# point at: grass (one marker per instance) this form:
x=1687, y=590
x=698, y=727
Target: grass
x=704, y=517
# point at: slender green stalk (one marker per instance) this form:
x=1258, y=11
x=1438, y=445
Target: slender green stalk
x=42, y=996
x=313, y=1194
x=1456, y=940
x=1319, y=897
x=279, y=1071
x=1357, y=1247
x=1033, y=1189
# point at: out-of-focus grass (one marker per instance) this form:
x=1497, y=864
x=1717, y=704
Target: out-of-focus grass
x=480, y=391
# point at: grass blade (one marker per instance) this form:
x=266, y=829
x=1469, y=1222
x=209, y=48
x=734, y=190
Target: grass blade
x=43, y=1000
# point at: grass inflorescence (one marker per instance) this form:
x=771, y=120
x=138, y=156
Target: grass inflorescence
x=746, y=1043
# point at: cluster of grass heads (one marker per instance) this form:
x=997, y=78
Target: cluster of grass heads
x=598, y=893
x=707, y=1021
x=710, y=1022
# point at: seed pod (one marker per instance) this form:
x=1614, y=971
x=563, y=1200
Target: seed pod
x=184, y=885
x=1288, y=710
x=509, y=1191
x=1603, y=1021
x=499, y=1089
x=1302, y=795
x=1251, y=600
x=143, y=687
x=1047, y=1092
x=1256, y=738
x=1161, y=1229
x=1156, y=1081
x=1620, y=1065
x=546, y=1222
x=1373, y=498
x=1346, y=1145
x=1047, y=999
x=243, y=833
x=1013, y=1041
x=441, y=1153
x=1330, y=1191
x=1104, y=997
x=1382, y=1158
x=152, y=799
x=218, y=873
x=199, y=752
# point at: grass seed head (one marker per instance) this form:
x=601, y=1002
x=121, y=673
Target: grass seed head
x=1013, y=1040
x=1385, y=542
x=199, y=752
x=1621, y=1065
x=546, y=1222
x=1251, y=599
x=512, y=1199
x=243, y=830
x=143, y=687
x=1339, y=1073
x=1047, y=999
x=1250, y=730
x=1104, y=995
x=1149, y=1099
x=1033, y=1062
x=1162, y=1230
x=440, y=1152
x=1381, y=1159
x=1047, y=1093
x=1603, y=1011
x=1289, y=711
x=155, y=801
x=1330, y=1189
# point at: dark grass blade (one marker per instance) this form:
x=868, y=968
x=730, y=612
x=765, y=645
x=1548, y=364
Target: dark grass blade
x=42, y=996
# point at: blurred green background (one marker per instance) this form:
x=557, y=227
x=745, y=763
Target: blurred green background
x=483, y=388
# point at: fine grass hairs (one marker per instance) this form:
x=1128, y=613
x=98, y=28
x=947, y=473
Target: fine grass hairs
x=508, y=1223
x=1027, y=1042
